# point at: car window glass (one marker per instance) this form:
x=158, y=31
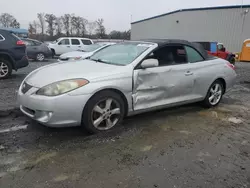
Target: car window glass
x=120, y=54
x=75, y=42
x=170, y=55
x=37, y=43
x=28, y=42
x=64, y=42
x=86, y=42
x=90, y=48
x=193, y=55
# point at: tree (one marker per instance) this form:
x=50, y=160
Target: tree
x=31, y=29
x=66, y=23
x=91, y=27
x=7, y=20
x=51, y=21
x=115, y=35
x=59, y=26
x=35, y=26
x=100, y=30
x=41, y=20
x=79, y=25
x=15, y=24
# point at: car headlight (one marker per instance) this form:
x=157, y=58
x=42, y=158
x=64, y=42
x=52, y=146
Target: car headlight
x=61, y=87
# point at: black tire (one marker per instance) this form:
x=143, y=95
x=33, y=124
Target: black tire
x=232, y=60
x=53, y=53
x=9, y=68
x=88, y=112
x=206, y=102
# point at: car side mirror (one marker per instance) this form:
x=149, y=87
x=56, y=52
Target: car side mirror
x=149, y=63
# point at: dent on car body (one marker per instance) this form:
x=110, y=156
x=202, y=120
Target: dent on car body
x=148, y=90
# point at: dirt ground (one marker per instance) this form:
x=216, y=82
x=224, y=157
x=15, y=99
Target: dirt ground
x=187, y=146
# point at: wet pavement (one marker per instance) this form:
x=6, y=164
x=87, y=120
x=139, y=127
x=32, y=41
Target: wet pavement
x=187, y=146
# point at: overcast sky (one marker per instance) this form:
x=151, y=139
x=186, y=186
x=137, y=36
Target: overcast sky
x=116, y=13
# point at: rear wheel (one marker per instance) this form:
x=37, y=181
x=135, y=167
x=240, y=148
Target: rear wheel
x=214, y=94
x=5, y=68
x=40, y=57
x=103, y=112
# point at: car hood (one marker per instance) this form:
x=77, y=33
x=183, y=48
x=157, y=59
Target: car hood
x=86, y=69
x=74, y=54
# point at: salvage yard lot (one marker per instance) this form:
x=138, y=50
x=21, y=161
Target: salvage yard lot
x=188, y=146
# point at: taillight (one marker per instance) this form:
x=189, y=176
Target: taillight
x=231, y=66
x=20, y=43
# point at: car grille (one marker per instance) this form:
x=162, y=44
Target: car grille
x=26, y=87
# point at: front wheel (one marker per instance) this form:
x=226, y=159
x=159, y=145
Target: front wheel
x=214, y=94
x=5, y=69
x=103, y=112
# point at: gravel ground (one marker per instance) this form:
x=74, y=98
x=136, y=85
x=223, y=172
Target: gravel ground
x=184, y=147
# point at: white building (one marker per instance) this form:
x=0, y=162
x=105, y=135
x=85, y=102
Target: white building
x=229, y=25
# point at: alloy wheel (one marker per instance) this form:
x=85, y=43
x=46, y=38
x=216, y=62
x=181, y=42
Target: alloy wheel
x=106, y=114
x=215, y=94
x=4, y=70
x=40, y=57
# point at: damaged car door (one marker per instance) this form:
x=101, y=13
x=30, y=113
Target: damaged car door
x=167, y=83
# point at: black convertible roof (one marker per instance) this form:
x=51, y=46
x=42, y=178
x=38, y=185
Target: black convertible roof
x=163, y=42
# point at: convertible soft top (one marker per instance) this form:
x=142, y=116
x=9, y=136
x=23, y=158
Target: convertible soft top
x=163, y=42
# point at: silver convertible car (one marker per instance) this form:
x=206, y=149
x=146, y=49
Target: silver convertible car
x=122, y=80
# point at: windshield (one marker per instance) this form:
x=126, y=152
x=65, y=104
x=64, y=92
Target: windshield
x=55, y=41
x=120, y=54
x=90, y=48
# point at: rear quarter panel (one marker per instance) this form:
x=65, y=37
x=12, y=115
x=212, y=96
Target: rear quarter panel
x=207, y=72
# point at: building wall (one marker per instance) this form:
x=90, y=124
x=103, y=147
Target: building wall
x=229, y=26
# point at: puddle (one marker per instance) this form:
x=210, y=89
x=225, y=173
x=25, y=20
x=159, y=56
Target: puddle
x=235, y=120
x=202, y=154
x=61, y=178
x=146, y=148
x=213, y=114
x=185, y=132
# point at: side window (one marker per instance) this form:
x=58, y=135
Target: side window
x=86, y=42
x=2, y=38
x=28, y=42
x=75, y=42
x=64, y=42
x=193, y=55
x=170, y=55
x=36, y=43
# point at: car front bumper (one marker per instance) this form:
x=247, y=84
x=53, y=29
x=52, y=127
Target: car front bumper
x=60, y=111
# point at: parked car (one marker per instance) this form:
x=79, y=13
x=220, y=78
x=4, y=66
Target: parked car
x=122, y=80
x=37, y=50
x=85, y=52
x=12, y=54
x=68, y=44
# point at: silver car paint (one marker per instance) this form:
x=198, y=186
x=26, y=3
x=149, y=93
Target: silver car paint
x=144, y=89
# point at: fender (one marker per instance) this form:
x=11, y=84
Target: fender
x=11, y=58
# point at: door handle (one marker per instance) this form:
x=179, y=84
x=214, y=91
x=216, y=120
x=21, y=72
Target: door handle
x=68, y=46
x=188, y=73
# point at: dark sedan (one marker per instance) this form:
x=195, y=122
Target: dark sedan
x=37, y=50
